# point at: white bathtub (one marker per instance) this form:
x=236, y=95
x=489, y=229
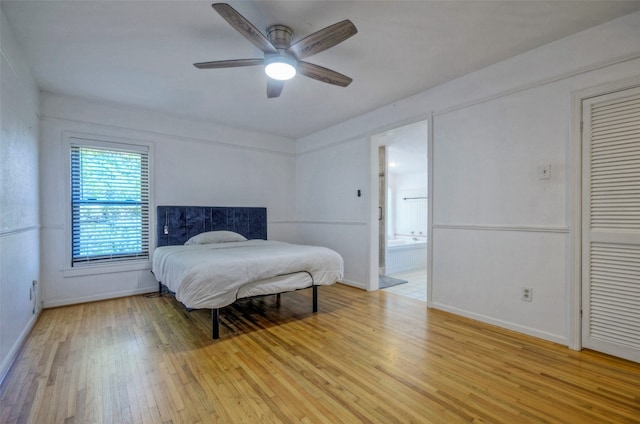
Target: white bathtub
x=405, y=254
x=405, y=241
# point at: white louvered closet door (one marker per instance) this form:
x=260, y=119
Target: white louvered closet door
x=611, y=224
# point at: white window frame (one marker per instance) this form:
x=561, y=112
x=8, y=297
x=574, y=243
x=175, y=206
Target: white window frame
x=92, y=140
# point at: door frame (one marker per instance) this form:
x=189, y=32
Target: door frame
x=574, y=295
x=373, y=283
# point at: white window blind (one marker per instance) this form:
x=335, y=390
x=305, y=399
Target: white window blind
x=110, y=204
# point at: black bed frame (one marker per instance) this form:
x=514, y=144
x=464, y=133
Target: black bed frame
x=177, y=224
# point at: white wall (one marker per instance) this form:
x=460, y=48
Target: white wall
x=407, y=216
x=496, y=226
x=19, y=213
x=329, y=211
x=193, y=163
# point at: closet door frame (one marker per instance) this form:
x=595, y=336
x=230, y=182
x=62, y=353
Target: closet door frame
x=574, y=295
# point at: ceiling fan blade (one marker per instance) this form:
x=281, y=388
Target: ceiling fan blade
x=274, y=88
x=229, y=63
x=323, y=74
x=323, y=39
x=244, y=27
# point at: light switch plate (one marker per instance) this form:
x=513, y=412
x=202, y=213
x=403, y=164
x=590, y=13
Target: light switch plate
x=544, y=172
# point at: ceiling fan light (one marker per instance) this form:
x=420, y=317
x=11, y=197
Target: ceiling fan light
x=280, y=68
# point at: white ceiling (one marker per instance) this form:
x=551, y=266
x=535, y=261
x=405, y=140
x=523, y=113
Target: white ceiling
x=140, y=53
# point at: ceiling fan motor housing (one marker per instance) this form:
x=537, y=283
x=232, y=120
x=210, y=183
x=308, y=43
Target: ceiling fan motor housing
x=280, y=36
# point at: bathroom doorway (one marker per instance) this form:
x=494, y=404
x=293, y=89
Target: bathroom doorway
x=403, y=209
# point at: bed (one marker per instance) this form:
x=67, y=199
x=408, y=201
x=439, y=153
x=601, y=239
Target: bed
x=209, y=257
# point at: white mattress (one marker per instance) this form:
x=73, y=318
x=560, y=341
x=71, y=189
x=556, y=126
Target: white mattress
x=215, y=275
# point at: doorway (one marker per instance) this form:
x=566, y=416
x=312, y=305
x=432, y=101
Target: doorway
x=402, y=209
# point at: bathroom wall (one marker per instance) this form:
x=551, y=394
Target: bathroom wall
x=407, y=204
x=407, y=179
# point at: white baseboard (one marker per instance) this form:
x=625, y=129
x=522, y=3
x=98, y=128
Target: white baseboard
x=7, y=362
x=355, y=284
x=503, y=324
x=102, y=296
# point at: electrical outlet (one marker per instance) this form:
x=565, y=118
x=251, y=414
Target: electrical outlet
x=527, y=294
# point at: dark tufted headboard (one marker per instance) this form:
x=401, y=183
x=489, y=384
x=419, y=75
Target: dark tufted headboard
x=184, y=222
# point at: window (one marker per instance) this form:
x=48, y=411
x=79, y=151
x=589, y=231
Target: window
x=109, y=203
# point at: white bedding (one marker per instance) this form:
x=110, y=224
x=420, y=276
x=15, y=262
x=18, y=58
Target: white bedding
x=215, y=275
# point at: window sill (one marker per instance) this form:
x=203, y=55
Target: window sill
x=95, y=269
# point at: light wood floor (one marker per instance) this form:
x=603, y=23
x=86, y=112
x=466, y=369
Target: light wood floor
x=364, y=357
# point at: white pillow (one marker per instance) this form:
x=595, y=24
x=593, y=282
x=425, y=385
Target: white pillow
x=215, y=237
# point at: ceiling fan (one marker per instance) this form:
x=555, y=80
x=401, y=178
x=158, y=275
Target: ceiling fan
x=281, y=58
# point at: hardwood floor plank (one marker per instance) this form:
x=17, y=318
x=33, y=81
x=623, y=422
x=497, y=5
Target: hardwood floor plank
x=373, y=357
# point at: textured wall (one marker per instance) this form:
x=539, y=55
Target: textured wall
x=19, y=200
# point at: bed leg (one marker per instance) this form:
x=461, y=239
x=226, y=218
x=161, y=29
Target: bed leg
x=278, y=299
x=215, y=324
x=159, y=288
x=315, y=298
